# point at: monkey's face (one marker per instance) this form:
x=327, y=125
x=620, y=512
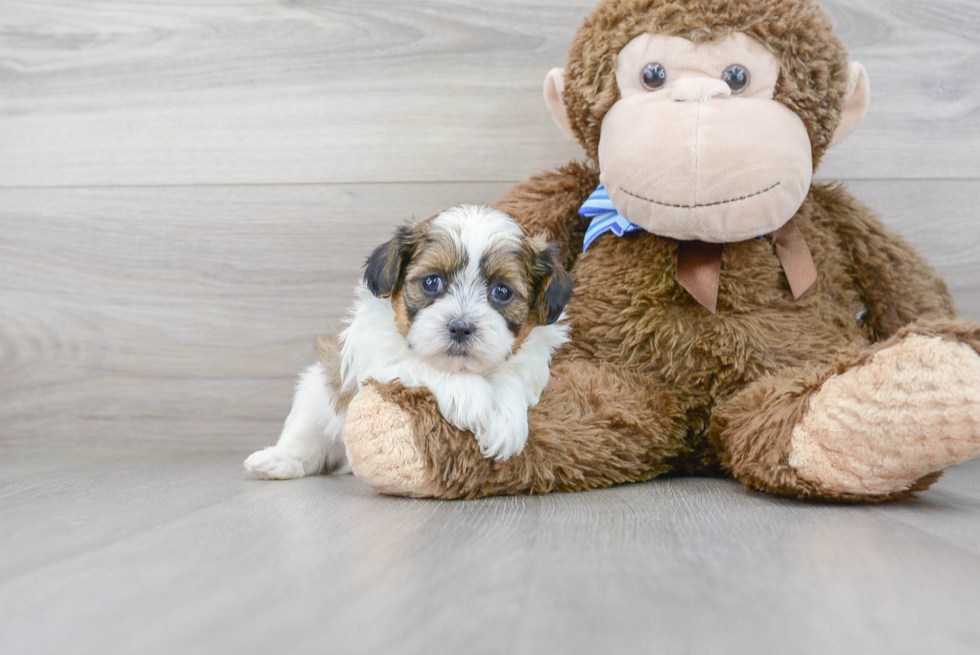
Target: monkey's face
x=696, y=148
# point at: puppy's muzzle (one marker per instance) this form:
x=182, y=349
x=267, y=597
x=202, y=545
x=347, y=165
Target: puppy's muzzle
x=461, y=331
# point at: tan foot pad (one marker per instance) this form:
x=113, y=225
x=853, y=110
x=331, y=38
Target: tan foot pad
x=381, y=446
x=914, y=409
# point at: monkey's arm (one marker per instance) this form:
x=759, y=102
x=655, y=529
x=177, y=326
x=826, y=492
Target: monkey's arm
x=549, y=203
x=596, y=425
x=897, y=284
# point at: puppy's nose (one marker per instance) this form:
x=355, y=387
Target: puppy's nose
x=460, y=330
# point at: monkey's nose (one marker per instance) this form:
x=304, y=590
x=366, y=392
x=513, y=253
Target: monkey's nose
x=460, y=330
x=700, y=89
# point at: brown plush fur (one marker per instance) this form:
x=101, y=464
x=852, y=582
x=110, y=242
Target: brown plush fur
x=753, y=429
x=594, y=427
x=812, y=78
x=651, y=382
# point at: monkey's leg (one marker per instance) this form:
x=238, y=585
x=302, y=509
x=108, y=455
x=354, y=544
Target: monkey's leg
x=874, y=425
x=596, y=425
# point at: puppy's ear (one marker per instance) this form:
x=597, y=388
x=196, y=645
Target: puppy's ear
x=554, y=284
x=386, y=266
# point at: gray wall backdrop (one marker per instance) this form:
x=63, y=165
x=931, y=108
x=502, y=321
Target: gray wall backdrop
x=188, y=189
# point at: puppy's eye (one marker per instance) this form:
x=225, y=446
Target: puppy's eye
x=502, y=294
x=736, y=77
x=433, y=284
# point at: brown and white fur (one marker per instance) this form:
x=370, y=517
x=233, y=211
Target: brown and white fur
x=464, y=304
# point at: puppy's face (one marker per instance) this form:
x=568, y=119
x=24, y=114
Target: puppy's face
x=468, y=286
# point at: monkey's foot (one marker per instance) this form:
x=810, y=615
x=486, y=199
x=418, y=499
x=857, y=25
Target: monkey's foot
x=911, y=411
x=381, y=447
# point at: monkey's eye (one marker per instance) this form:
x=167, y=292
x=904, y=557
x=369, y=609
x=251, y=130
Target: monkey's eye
x=433, y=285
x=736, y=77
x=654, y=76
x=502, y=294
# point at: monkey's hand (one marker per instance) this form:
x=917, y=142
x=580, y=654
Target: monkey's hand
x=383, y=420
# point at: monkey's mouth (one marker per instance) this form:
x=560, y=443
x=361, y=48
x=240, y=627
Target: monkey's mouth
x=707, y=204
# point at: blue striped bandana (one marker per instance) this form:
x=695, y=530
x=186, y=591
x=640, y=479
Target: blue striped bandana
x=604, y=217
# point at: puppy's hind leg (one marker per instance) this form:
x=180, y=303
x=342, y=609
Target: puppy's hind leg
x=311, y=440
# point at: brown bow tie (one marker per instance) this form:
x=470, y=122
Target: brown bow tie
x=699, y=265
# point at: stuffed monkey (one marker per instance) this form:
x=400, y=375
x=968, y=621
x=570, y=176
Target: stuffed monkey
x=730, y=316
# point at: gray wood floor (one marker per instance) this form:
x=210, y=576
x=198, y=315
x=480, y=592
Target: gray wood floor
x=187, y=191
x=165, y=552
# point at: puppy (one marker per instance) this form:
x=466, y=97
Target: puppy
x=464, y=304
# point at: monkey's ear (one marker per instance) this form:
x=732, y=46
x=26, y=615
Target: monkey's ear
x=386, y=266
x=554, y=86
x=555, y=288
x=855, y=105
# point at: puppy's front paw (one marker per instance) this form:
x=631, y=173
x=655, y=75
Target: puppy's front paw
x=273, y=464
x=504, y=437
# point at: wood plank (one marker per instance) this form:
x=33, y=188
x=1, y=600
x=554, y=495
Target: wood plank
x=163, y=552
x=179, y=315
x=949, y=511
x=756, y=574
x=124, y=92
